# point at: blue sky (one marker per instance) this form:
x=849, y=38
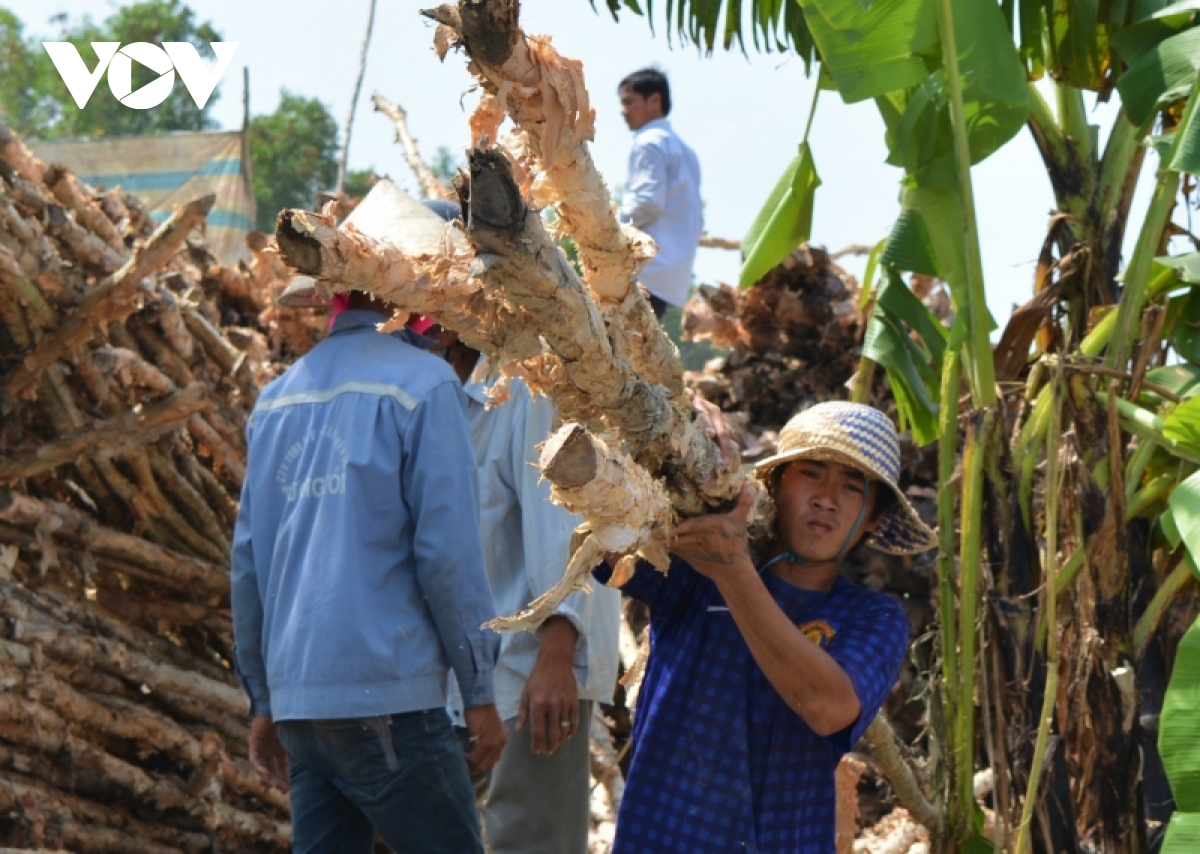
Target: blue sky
x=744, y=116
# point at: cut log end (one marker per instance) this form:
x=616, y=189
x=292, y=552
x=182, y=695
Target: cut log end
x=495, y=203
x=489, y=28
x=293, y=233
x=569, y=458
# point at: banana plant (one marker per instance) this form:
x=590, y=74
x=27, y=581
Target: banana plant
x=1077, y=527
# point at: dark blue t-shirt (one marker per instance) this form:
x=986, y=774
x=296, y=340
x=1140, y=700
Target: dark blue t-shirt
x=720, y=763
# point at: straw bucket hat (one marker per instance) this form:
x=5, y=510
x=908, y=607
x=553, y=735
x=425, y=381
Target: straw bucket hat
x=865, y=439
x=385, y=213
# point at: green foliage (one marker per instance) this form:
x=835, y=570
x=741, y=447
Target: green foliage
x=1162, y=75
x=359, y=182
x=446, y=164
x=909, y=342
x=294, y=154
x=1183, y=425
x=1179, y=728
x=36, y=102
x=1185, y=337
x=773, y=24
x=24, y=85
x=1183, y=380
x=872, y=51
x=784, y=222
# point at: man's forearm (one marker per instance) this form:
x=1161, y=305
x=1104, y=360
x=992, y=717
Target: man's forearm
x=812, y=684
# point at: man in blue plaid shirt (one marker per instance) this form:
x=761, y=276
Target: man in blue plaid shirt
x=761, y=678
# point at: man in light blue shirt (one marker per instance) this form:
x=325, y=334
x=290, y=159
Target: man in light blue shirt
x=662, y=192
x=358, y=582
x=546, y=683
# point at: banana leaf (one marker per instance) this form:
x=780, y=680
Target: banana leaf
x=1078, y=43
x=1179, y=740
x=1185, y=337
x=1185, y=515
x=1183, y=380
x=1179, y=726
x=1183, y=834
x=1182, y=424
x=1132, y=42
x=784, y=222
x=870, y=52
x=774, y=24
x=909, y=342
x=1185, y=155
x=1162, y=75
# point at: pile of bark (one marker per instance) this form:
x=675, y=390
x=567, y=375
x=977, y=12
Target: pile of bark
x=129, y=360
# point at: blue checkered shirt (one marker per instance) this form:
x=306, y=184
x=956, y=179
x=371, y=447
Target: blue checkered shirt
x=719, y=762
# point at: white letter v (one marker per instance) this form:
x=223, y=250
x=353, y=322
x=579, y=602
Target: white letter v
x=187, y=62
x=81, y=83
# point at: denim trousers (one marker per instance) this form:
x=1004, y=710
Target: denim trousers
x=401, y=775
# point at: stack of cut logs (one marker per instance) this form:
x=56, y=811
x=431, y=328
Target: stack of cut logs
x=128, y=362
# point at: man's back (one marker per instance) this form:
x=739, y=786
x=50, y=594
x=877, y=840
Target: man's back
x=663, y=200
x=360, y=464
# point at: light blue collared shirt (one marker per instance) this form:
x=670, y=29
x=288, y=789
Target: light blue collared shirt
x=662, y=198
x=526, y=542
x=358, y=573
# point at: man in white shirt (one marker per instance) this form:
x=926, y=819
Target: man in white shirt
x=662, y=192
x=546, y=683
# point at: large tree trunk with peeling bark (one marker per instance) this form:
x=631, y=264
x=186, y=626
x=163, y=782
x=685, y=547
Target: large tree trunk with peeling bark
x=591, y=344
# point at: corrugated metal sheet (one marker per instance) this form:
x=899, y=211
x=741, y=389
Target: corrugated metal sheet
x=167, y=170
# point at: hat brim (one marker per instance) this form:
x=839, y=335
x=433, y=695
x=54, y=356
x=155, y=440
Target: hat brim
x=302, y=292
x=900, y=531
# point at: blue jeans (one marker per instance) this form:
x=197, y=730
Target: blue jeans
x=401, y=775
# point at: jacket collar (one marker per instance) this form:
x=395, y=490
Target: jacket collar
x=358, y=318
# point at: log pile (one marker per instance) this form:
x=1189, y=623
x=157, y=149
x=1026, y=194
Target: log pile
x=129, y=360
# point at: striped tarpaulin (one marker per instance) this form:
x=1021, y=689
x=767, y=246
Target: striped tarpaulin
x=168, y=170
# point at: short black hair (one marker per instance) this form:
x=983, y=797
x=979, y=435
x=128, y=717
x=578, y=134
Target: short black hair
x=647, y=82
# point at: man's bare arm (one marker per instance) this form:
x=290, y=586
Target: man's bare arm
x=807, y=678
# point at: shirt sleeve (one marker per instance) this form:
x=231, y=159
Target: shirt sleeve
x=662, y=592
x=870, y=652
x=248, y=610
x=646, y=188
x=546, y=528
x=439, y=483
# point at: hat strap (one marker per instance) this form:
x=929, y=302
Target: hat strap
x=857, y=522
x=783, y=555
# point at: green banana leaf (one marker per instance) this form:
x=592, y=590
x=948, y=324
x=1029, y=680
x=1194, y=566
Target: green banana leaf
x=1132, y=42
x=1185, y=516
x=784, y=222
x=774, y=24
x=1185, y=337
x=1078, y=42
x=909, y=246
x=1162, y=75
x=1179, y=726
x=1185, y=154
x=909, y=343
x=1183, y=380
x=1186, y=267
x=872, y=51
x=1179, y=745
x=1183, y=834
x=1182, y=424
